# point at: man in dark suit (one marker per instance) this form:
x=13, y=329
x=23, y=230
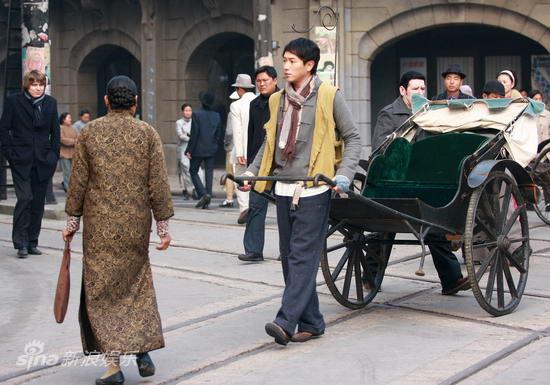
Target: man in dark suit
x=206, y=133
x=453, y=77
x=390, y=119
x=254, y=234
x=30, y=140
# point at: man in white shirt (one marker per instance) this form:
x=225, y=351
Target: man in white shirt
x=183, y=131
x=238, y=121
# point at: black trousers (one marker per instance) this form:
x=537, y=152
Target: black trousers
x=301, y=239
x=445, y=262
x=29, y=209
x=254, y=233
x=195, y=164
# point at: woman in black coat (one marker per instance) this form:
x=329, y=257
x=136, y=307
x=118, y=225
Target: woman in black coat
x=29, y=137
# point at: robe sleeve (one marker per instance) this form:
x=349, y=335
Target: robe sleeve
x=80, y=173
x=160, y=196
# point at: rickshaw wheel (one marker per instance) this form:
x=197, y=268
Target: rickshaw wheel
x=541, y=175
x=352, y=274
x=496, y=244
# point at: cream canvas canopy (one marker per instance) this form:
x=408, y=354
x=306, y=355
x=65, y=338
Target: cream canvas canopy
x=516, y=118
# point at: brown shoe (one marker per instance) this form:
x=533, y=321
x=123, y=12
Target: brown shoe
x=277, y=332
x=461, y=284
x=304, y=336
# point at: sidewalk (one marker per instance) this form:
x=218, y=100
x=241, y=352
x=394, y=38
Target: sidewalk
x=57, y=211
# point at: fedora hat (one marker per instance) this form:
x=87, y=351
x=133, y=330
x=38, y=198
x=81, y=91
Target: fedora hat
x=243, y=81
x=454, y=69
x=206, y=98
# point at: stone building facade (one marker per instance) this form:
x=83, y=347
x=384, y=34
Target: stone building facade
x=176, y=48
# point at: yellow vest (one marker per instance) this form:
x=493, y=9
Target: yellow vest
x=326, y=150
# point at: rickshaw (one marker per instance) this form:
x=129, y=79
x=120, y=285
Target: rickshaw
x=454, y=168
x=540, y=172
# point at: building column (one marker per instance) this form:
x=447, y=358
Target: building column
x=262, y=32
x=149, y=61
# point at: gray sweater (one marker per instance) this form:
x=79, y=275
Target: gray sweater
x=299, y=165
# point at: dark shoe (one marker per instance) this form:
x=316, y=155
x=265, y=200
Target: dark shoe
x=461, y=284
x=242, y=217
x=227, y=204
x=145, y=365
x=251, y=257
x=277, y=332
x=185, y=195
x=204, y=202
x=22, y=253
x=34, y=251
x=51, y=202
x=115, y=379
x=304, y=336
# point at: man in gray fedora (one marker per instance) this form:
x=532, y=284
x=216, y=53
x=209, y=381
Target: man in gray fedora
x=453, y=78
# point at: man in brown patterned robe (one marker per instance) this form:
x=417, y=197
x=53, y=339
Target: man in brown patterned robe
x=118, y=179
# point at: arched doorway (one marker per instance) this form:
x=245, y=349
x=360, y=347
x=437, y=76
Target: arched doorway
x=214, y=65
x=97, y=68
x=481, y=50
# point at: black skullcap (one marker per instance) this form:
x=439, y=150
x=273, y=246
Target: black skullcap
x=122, y=81
x=493, y=86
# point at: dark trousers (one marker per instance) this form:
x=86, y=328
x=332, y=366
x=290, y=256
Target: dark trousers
x=445, y=262
x=195, y=164
x=254, y=234
x=301, y=239
x=29, y=209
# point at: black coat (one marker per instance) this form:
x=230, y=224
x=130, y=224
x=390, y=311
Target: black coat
x=390, y=118
x=258, y=117
x=443, y=96
x=24, y=145
x=206, y=133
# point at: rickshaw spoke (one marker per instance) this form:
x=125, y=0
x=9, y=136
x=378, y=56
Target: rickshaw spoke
x=500, y=283
x=358, y=278
x=335, y=228
x=338, y=246
x=513, y=260
x=516, y=240
x=485, y=228
x=509, y=280
x=340, y=265
x=505, y=204
x=347, y=279
x=485, y=244
x=491, y=280
x=497, y=186
x=487, y=211
x=506, y=229
x=485, y=264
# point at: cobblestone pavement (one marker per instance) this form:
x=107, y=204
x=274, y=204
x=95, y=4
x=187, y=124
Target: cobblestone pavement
x=214, y=307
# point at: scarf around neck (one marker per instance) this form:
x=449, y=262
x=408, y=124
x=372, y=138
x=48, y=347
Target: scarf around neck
x=36, y=107
x=294, y=101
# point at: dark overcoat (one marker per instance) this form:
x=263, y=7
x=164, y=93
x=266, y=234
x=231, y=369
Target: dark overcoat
x=25, y=145
x=206, y=133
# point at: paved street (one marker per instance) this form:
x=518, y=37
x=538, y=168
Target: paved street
x=214, y=308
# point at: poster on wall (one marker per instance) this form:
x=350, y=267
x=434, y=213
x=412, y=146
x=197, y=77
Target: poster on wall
x=540, y=76
x=326, y=40
x=418, y=64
